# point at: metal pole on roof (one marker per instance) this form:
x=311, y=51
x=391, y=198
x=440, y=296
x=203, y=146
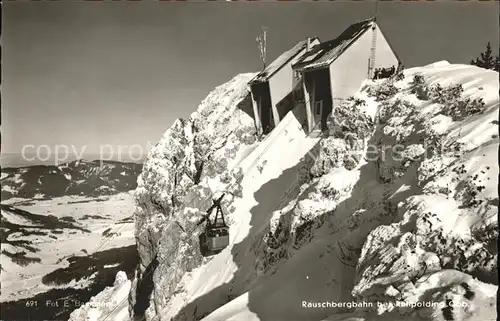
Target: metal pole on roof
x=264, y=30
x=262, y=41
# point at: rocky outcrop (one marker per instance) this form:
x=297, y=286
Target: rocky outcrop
x=188, y=167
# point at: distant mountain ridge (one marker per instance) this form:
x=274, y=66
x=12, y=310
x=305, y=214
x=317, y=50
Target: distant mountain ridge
x=80, y=177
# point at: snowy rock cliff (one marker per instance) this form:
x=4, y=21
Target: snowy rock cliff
x=441, y=244
x=183, y=172
x=390, y=215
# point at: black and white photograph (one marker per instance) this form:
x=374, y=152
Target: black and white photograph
x=249, y=160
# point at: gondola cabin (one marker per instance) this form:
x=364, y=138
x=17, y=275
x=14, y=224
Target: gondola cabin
x=217, y=238
x=216, y=235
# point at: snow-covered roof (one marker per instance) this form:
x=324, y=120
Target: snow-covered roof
x=325, y=53
x=279, y=62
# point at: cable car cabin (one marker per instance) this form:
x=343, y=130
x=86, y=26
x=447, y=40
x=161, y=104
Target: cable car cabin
x=214, y=239
x=217, y=238
x=216, y=235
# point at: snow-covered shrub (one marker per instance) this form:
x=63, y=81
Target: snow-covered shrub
x=397, y=108
x=351, y=161
x=348, y=120
x=383, y=91
x=441, y=95
x=418, y=80
x=488, y=235
x=417, y=243
x=469, y=255
x=461, y=108
x=467, y=192
x=434, y=141
x=454, y=105
x=356, y=102
x=349, y=127
x=335, y=153
x=246, y=136
x=419, y=87
x=331, y=155
x=398, y=147
x=328, y=191
x=430, y=167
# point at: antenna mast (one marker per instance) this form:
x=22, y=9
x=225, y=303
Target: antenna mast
x=371, y=61
x=262, y=41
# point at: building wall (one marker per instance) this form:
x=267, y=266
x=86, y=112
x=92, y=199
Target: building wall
x=350, y=69
x=384, y=56
x=281, y=84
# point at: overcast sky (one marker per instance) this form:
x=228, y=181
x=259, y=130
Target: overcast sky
x=91, y=73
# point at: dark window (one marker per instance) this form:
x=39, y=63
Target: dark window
x=317, y=108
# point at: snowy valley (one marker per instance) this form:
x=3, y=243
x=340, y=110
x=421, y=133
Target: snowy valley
x=66, y=232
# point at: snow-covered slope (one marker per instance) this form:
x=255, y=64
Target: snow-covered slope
x=439, y=248
x=396, y=205
x=269, y=176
